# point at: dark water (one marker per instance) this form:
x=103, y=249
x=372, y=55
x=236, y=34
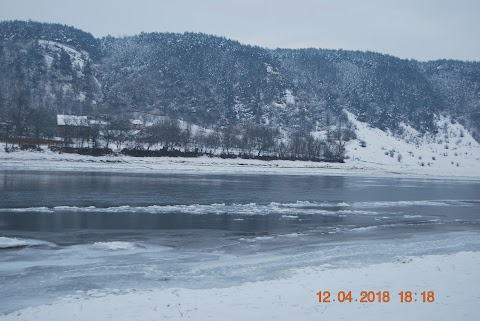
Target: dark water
x=61, y=230
x=85, y=201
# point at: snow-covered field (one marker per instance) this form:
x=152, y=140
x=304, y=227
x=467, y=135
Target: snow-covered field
x=453, y=278
x=451, y=153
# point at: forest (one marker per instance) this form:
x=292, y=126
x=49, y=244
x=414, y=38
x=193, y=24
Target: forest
x=243, y=97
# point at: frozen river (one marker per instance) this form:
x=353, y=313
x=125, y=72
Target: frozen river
x=67, y=232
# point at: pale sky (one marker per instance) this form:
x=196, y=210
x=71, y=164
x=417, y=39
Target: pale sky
x=419, y=29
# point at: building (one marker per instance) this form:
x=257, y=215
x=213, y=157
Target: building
x=79, y=127
x=98, y=124
x=69, y=126
x=136, y=124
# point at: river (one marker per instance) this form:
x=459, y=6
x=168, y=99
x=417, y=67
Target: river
x=66, y=232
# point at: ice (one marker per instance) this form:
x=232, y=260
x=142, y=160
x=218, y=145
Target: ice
x=13, y=242
x=290, y=298
x=364, y=228
x=7, y=242
x=288, y=210
x=115, y=246
x=258, y=238
x=412, y=203
x=303, y=204
x=41, y=209
x=292, y=235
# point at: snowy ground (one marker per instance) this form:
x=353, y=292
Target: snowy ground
x=367, y=162
x=453, y=278
x=450, y=152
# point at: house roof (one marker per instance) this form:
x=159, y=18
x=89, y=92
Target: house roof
x=97, y=122
x=137, y=122
x=70, y=120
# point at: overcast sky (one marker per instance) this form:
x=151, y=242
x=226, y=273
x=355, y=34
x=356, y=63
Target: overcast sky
x=419, y=29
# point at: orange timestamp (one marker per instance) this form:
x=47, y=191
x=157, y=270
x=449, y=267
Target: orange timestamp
x=376, y=296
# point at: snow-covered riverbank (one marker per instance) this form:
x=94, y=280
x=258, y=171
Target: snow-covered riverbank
x=450, y=153
x=48, y=160
x=452, y=278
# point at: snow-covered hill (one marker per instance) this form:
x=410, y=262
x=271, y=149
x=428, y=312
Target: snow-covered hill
x=53, y=48
x=451, y=150
x=212, y=81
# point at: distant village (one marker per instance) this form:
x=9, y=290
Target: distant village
x=78, y=129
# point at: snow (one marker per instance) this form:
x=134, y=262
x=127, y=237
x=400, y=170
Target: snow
x=82, y=96
x=67, y=88
x=97, y=122
x=49, y=60
x=288, y=97
x=78, y=58
x=450, y=152
x=365, y=166
x=70, y=120
x=452, y=278
x=270, y=69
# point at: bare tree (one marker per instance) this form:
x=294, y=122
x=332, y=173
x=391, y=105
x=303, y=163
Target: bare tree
x=213, y=138
x=153, y=135
x=119, y=127
x=335, y=146
x=260, y=138
x=170, y=132
x=228, y=137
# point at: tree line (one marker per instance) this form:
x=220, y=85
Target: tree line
x=28, y=127
x=252, y=141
